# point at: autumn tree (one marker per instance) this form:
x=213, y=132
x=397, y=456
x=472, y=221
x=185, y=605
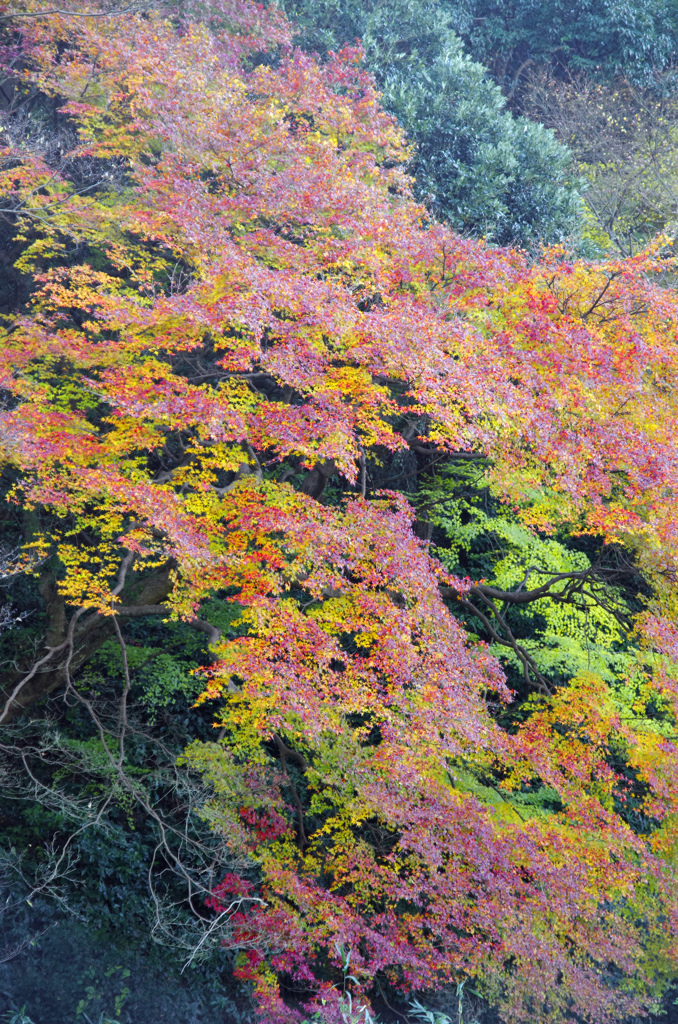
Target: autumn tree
x=417, y=493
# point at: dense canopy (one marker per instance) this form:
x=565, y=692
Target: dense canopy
x=475, y=165
x=418, y=492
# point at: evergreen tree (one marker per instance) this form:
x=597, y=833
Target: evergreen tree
x=476, y=165
x=604, y=38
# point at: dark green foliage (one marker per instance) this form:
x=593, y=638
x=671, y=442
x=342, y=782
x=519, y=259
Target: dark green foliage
x=603, y=38
x=95, y=919
x=476, y=165
x=73, y=975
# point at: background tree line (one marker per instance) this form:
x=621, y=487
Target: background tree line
x=476, y=84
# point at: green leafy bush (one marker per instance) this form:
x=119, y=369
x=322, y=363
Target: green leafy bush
x=476, y=165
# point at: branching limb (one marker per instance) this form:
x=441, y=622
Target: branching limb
x=283, y=753
x=12, y=701
x=528, y=663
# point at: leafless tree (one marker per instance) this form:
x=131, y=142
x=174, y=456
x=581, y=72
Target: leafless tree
x=624, y=144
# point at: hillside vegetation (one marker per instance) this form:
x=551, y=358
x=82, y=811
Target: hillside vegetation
x=339, y=525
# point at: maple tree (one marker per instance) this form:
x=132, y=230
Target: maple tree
x=241, y=333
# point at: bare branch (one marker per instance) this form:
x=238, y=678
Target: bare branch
x=9, y=15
